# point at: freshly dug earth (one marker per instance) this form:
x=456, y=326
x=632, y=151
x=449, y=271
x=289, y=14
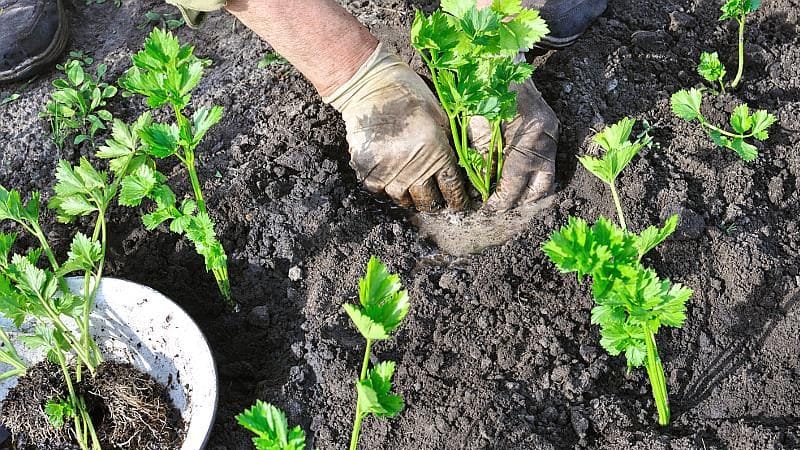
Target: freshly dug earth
x=497, y=351
x=129, y=410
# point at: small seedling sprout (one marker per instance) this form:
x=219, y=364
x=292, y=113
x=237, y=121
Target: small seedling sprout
x=383, y=305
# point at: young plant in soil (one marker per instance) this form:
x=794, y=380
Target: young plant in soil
x=271, y=428
x=738, y=10
x=77, y=104
x=472, y=55
x=712, y=69
x=383, y=305
x=165, y=72
x=29, y=292
x=632, y=302
x=687, y=104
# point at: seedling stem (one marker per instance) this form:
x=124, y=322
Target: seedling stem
x=741, y=55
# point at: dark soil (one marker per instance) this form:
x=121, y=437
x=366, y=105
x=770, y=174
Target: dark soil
x=497, y=351
x=129, y=410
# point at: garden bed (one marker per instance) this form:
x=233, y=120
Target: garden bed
x=497, y=351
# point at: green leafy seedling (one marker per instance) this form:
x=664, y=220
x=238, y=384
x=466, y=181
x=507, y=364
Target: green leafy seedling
x=271, y=428
x=165, y=73
x=77, y=106
x=631, y=302
x=383, y=306
x=687, y=104
x=738, y=10
x=472, y=56
x=712, y=69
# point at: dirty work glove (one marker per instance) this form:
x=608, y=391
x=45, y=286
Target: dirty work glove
x=398, y=135
x=194, y=11
x=530, y=152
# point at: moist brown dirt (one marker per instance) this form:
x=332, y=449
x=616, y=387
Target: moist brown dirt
x=128, y=408
x=497, y=351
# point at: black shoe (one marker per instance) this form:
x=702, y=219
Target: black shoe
x=33, y=33
x=567, y=19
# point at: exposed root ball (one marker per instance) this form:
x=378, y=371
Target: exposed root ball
x=136, y=410
x=129, y=409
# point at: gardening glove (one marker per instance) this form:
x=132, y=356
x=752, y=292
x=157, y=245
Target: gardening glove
x=194, y=11
x=530, y=150
x=398, y=135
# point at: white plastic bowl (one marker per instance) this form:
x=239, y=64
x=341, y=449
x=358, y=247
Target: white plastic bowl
x=135, y=324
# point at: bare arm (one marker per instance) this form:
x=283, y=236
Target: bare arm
x=318, y=37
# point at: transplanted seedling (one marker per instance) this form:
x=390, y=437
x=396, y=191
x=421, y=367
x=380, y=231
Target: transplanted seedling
x=687, y=104
x=77, y=106
x=473, y=58
x=712, y=69
x=271, y=428
x=738, y=10
x=165, y=73
x=632, y=302
x=383, y=305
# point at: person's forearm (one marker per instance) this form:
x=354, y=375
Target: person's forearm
x=318, y=37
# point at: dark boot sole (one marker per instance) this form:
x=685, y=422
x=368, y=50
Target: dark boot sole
x=43, y=61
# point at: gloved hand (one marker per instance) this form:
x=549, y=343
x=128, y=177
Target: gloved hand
x=530, y=152
x=194, y=11
x=398, y=135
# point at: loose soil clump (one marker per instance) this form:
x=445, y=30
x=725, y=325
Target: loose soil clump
x=129, y=410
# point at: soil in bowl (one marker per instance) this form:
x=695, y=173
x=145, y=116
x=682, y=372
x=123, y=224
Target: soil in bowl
x=129, y=410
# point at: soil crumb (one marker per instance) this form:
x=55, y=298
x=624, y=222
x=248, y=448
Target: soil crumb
x=129, y=409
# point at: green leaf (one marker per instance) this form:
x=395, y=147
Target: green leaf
x=507, y=7
x=741, y=120
x=137, y=186
x=433, y=33
x=747, y=152
x=374, y=395
x=84, y=253
x=203, y=120
x=762, y=120
x=686, y=104
x=161, y=139
x=6, y=244
x=384, y=303
x=58, y=411
x=652, y=236
x=619, y=151
x=458, y=8
x=271, y=428
x=710, y=67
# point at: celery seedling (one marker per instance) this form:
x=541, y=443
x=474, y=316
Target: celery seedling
x=686, y=104
x=165, y=74
x=383, y=305
x=271, y=428
x=632, y=302
x=77, y=104
x=31, y=293
x=738, y=10
x=712, y=69
x=472, y=56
